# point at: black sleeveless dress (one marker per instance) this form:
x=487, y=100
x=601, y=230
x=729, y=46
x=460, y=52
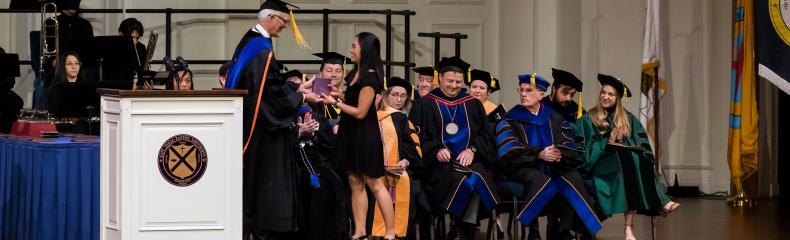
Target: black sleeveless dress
x=359, y=148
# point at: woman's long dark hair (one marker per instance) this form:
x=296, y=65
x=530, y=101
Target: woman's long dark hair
x=369, y=55
x=60, y=71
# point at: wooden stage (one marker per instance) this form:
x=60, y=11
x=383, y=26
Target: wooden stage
x=704, y=219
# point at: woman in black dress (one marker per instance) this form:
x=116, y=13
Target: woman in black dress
x=359, y=148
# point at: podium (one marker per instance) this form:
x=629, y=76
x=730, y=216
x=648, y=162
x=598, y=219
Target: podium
x=171, y=164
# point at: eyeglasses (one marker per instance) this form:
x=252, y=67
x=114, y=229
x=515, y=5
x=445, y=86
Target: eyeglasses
x=396, y=96
x=285, y=21
x=527, y=90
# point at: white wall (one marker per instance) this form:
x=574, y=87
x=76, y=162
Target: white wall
x=506, y=37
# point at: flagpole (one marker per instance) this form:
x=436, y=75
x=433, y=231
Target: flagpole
x=657, y=117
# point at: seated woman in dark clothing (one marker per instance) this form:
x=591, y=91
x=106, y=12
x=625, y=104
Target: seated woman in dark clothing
x=68, y=69
x=65, y=102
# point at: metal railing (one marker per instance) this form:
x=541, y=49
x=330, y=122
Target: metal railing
x=388, y=61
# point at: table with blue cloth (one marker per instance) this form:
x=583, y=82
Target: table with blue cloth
x=49, y=188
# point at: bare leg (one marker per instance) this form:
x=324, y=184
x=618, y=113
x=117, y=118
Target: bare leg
x=629, y=225
x=359, y=203
x=379, y=190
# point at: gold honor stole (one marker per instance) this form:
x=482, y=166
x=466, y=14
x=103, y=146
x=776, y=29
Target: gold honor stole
x=489, y=107
x=397, y=183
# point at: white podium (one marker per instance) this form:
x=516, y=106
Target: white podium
x=171, y=164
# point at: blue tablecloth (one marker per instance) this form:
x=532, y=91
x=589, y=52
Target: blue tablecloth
x=49, y=190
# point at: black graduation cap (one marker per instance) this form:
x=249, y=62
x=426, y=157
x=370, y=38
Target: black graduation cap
x=333, y=58
x=616, y=83
x=281, y=6
x=9, y=65
x=400, y=82
x=492, y=82
x=454, y=63
x=277, y=5
x=567, y=79
x=292, y=73
x=424, y=71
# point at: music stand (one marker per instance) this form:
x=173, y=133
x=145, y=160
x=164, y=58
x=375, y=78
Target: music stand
x=111, y=56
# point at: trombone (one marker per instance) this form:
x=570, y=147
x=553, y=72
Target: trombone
x=49, y=34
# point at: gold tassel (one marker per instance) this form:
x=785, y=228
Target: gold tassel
x=435, y=76
x=298, y=35
x=532, y=81
x=304, y=77
x=493, y=83
x=469, y=75
x=625, y=94
x=579, y=113
x=385, y=83
x=412, y=92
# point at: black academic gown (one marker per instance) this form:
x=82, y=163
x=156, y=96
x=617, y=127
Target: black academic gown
x=569, y=113
x=521, y=136
x=450, y=186
x=271, y=201
x=324, y=213
x=327, y=112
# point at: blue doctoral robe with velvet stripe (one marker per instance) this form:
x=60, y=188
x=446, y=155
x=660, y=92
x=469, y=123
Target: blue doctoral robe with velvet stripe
x=271, y=191
x=521, y=136
x=452, y=186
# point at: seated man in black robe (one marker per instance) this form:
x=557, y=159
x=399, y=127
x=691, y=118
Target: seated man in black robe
x=323, y=194
x=456, y=149
x=537, y=149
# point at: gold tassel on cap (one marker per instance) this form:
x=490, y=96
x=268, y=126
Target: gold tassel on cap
x=579, y=113
x=298, y=35
x=469, y=75
x=625, y=94
x=385, y=83
x=435, y=76
x=532, y=81
x=304, y=77
x=493, y=83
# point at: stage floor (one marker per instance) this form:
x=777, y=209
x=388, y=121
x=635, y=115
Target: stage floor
x=705, y=219
x=709, y=219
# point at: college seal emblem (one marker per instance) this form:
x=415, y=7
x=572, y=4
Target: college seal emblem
x=182, y=160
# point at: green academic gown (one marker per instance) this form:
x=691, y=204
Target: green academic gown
x=624, y=180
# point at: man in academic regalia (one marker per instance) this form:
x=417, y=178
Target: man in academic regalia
x=537, y=149
x=425, y=81
x=565, y=87
x=323, y=194
x=271, y=200
x=560, y=100
x=333, y=67
x=456, y=149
